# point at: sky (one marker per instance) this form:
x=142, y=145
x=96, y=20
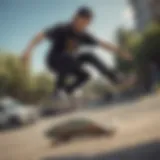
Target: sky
x=20, y=20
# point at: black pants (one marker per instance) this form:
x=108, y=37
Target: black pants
x=67, y=65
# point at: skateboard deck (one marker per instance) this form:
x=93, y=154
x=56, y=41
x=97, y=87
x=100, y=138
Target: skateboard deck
x=74, y=128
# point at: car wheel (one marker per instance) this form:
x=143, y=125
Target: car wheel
x=15, y=120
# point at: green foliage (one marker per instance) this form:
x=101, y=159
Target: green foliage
x=143, y=47
x=17, y=80
x=151, y=42
x=131, y=41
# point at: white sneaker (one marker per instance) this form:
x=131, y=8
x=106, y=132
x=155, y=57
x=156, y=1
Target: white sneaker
x=60, y=99
x=76, y=99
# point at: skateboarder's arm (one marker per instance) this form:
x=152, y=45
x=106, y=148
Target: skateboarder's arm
x=108, y=46
x=49, y=34
x=32, y=45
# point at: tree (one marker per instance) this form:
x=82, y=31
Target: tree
x=145, y=48
x=19, y=82
x=149, y=54
x=131, y=41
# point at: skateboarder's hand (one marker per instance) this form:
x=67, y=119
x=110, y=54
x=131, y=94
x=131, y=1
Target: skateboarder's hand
x=121, y=52
x=127, y=56
x=25, y=58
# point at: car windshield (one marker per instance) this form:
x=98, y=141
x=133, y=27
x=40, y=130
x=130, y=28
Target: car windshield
x=9, y=103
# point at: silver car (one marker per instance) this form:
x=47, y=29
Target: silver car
x=11, y=111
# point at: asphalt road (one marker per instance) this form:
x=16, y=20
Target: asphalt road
x=136, y=123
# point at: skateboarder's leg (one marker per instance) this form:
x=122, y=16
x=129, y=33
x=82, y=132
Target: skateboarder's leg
x=60, y=83
x=72, y=68
x=65, y=66
x=93, y=60
x=81, y=76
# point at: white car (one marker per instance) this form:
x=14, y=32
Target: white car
x=12, y=111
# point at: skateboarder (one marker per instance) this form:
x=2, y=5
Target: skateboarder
x=66, y=38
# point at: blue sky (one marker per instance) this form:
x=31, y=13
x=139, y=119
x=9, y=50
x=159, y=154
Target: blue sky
x=20, y=20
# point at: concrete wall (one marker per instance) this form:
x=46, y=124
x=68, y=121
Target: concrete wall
x=145, y=11
x=142, y=13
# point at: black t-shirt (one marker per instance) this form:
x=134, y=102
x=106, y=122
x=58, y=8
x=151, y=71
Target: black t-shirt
x=65, y=40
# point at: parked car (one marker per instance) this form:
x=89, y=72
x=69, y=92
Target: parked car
x=12, y=111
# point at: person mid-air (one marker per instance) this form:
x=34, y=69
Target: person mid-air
x=65, y=40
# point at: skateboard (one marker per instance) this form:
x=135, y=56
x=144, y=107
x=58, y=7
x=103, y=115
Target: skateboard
x=66, y=131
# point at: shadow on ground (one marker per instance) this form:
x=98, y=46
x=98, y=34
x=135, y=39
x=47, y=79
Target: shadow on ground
x=149, y=151
x=12, y=127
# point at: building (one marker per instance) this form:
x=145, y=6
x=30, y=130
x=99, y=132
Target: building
x=141, y=12
x=145, y=11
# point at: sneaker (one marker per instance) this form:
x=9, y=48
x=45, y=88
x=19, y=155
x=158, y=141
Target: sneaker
x=124, y=83
x=60, y=99
x=75, y=99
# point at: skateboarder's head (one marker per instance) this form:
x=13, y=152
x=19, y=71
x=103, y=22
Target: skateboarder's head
x=82, y=18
